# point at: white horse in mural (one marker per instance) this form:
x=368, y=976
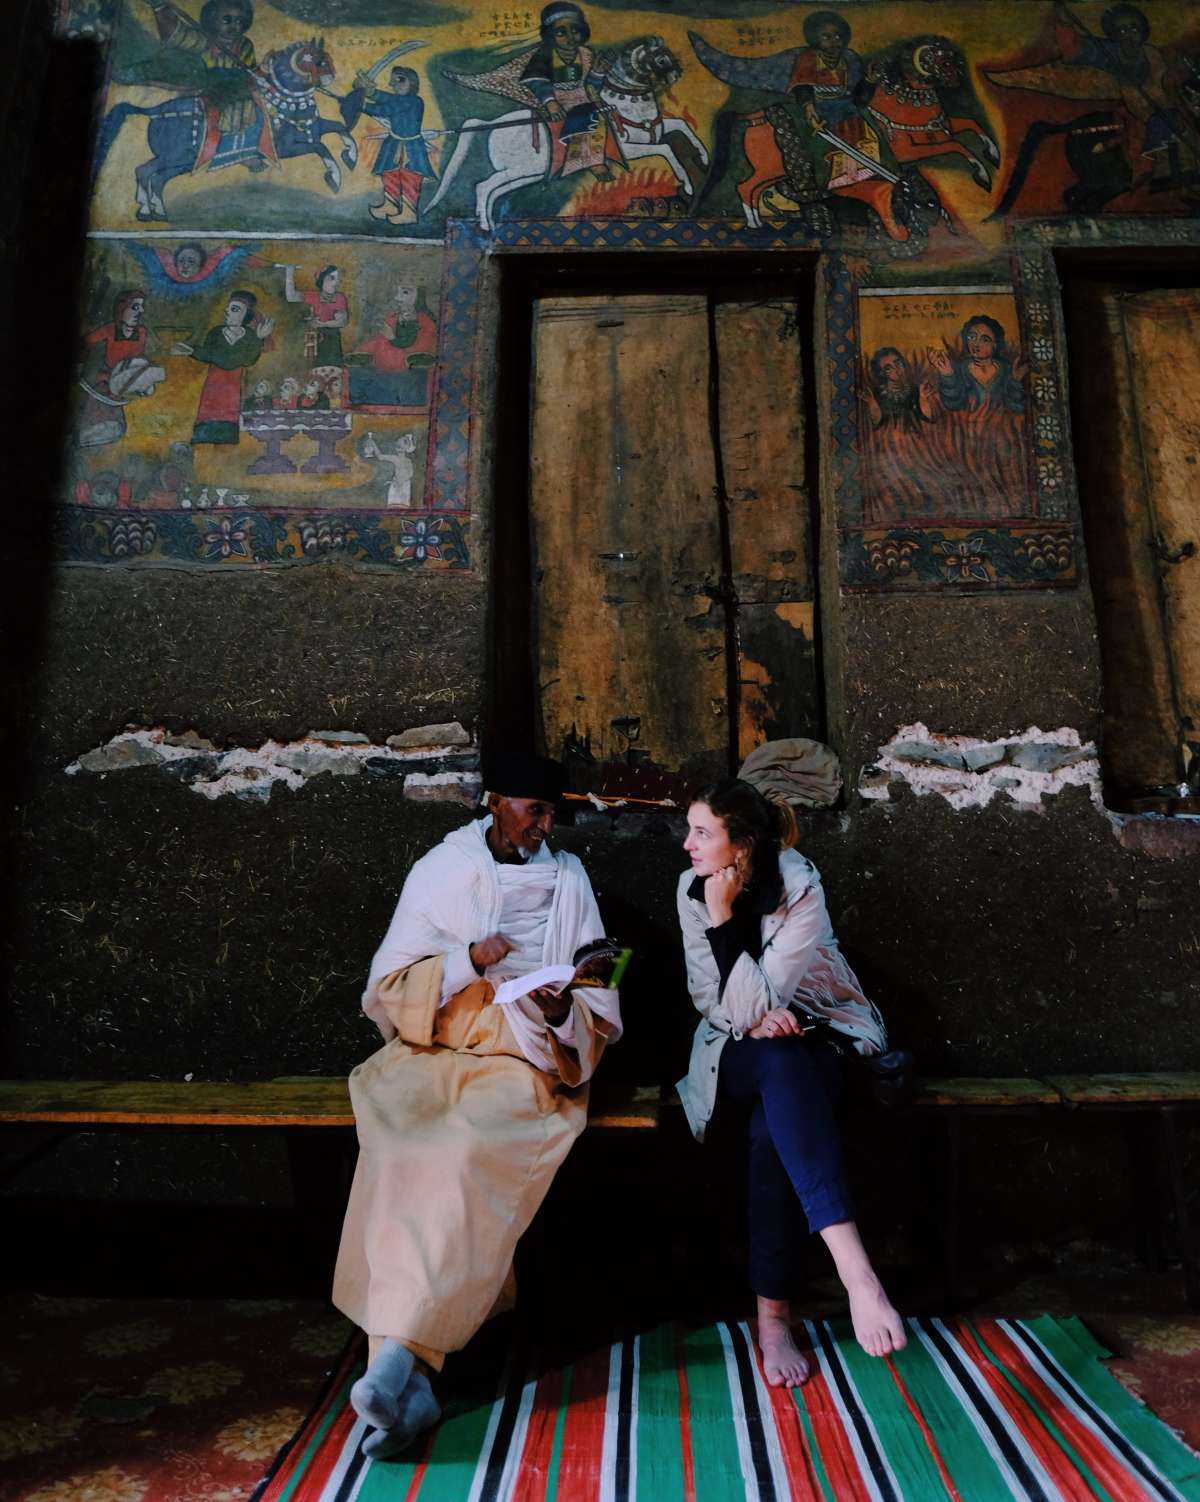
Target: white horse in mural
x=629, y=97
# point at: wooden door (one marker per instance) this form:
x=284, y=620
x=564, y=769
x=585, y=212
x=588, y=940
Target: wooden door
x=673, y=591
x=1135, y=385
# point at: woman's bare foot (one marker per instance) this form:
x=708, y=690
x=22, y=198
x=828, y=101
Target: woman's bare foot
x=878, y=1328
x=783, y=1364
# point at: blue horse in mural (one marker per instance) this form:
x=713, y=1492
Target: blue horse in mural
x=183, y=135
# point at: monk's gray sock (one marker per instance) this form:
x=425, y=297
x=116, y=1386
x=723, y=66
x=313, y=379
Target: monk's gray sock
x=376, y=1395
x=419, y=1410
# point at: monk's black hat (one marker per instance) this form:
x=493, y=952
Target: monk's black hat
x=516, y=774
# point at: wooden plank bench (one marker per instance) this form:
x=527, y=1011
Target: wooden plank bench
x=290, y=1102
x=297, y=1105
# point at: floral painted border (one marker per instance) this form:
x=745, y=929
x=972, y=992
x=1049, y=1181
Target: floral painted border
x=1023, y=555
x=260, y=537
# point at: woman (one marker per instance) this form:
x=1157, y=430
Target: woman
x=227, y=351
x=773, y=991
x=328, y=313
x=980, y=446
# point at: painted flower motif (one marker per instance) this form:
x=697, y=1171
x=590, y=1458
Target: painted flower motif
x=1043, y=349
x=322, y=536
x=1049, y=474
x=1033, y=269
x=260, y=1436
x=121, y=1340
x=963, y=560
x=226, y=539
x=1160, y=1335
x=50, y=1307
x=255, y=1308
x=325, y=1339
x=184, y=1384
x=31, y=1433
x=421, y=539
x=1045, y=388
x=1038, y=313
x=109, y=1485
x=1046, y=427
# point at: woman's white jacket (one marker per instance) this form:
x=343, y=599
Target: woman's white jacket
x=800, y=963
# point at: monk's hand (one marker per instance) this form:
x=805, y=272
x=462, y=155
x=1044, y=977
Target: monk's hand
x=780, y=1022
x=554, y=1006
x=720, y=891
x=489, y=951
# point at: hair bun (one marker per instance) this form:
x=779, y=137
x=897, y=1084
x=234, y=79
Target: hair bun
x=785, y=820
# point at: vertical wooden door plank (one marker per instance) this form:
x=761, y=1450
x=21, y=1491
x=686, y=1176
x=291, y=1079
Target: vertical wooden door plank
x=627, y=546
x=761, y=407
x=1164, y=356
x=1139, y=748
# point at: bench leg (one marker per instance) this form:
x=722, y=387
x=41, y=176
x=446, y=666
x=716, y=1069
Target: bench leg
x=1146, y=1166
x=939, y=1196
x=1189, y=1252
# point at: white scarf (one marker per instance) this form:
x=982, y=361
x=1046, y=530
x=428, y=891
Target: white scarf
x=452, y=896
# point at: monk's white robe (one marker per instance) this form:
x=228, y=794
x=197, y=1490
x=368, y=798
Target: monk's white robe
x=467, y=1112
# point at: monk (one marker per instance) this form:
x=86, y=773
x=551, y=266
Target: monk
x=468, y=1110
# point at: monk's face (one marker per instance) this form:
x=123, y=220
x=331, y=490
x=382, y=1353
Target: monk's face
x=519, y=825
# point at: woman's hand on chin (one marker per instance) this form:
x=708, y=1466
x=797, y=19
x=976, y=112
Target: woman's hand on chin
x=780, y=1022
x=720, y=890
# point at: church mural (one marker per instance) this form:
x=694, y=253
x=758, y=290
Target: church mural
x=293, y=201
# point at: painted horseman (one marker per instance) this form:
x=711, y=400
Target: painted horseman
x=238, y=126
x=561, y=79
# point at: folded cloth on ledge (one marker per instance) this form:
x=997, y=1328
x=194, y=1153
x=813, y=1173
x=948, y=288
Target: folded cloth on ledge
x=796, y=770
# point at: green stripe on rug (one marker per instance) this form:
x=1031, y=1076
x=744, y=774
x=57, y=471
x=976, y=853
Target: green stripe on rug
x=900, y=1437
x=1069, y=1347
x=971, y=1466
x=335, y=1408
x=659, y=1431
x=452, y=1461
x=560, y=1425
x=714, y=1441
x=1044, y=1417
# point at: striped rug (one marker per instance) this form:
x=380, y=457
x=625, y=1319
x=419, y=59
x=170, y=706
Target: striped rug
x=970, y=1411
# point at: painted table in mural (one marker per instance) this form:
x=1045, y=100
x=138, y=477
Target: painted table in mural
x=274, y=429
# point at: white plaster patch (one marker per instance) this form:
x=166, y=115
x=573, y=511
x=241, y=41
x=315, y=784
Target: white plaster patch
x=1025, y=766
x=250, y=772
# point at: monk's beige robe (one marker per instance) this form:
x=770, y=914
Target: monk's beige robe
x=459, y=1139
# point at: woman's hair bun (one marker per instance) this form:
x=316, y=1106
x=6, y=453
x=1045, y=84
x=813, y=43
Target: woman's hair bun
x=788, y=829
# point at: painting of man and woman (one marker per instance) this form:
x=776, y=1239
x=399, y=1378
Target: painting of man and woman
x=943, y=427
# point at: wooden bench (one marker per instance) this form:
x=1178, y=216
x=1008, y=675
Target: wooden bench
x=1153, y=1102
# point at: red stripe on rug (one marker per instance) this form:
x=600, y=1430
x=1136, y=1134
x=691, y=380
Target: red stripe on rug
x=833, y=1443
x=803, y=1485
x=334, y=1395
x=1059, y=1467
x=312, y=1483
x=685, y=1420
x=583, y=1432
x=533, y=1473
x=926, y=1432
x=1109, y=1468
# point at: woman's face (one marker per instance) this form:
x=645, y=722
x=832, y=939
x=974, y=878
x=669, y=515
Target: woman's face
x=708, y=841
x=981, y=344
x=235, y=313
x=329, y=284
x=406, y=300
